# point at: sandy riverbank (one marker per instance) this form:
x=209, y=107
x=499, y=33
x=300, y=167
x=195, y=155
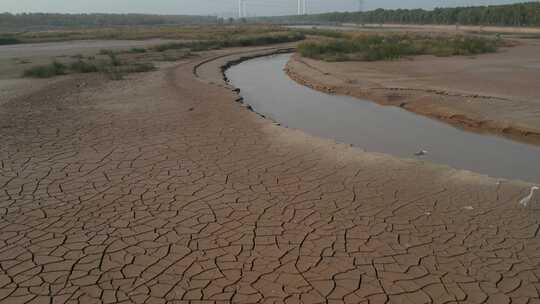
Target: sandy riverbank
x=495, y=93
x=162, y=188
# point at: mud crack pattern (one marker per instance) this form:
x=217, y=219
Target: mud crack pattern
x=161, y=189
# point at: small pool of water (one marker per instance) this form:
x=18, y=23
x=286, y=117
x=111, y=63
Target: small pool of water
x=372, y=127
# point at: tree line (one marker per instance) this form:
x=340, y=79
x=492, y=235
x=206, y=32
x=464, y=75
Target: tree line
x=45, y=21
x=520, y=14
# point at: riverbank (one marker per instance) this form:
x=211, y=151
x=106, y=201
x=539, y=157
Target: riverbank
x=494, y=93
x=161, y=187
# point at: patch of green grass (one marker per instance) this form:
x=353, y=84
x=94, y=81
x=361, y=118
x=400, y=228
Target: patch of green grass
x=137, y=50
x=9, y=40
x=391, y=47
x=46, y=71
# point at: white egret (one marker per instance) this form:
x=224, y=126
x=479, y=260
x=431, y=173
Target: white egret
x=527, y=199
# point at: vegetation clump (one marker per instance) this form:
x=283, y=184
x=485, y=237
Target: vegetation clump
x=113, y=67
x=395, y=46
x=113, y=59
x=118, y=63
x=264, y=40
x=55, y=68
x=106, y=52
x=255, y=40
x=137, y=50
x=81, y=66
x=9, y=40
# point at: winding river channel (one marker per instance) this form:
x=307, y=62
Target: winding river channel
x=372, y=127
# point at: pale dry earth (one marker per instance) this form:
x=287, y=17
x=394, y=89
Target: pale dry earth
x=73, y=47
x=162, y=189
x=496, y=92
x=14, y=59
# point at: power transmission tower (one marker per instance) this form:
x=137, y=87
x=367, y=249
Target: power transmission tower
x=361, y=4
x=240, y=9
x=302, y=7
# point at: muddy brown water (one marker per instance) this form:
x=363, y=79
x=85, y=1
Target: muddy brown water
x=372, y=127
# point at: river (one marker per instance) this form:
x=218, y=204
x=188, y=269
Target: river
x=372, y=127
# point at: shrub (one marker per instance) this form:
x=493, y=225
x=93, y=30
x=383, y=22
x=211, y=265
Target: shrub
x=137, y=50
x=106, y=52
x=391, y=47
x=114, y=59
x=81, y=66
x=46, y=71
x=9, y=40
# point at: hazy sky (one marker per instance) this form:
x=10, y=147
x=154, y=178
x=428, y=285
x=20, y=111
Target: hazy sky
x=219, y=7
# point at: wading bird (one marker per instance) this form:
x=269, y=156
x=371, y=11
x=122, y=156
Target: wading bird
x=527, y=199
x=421, y=153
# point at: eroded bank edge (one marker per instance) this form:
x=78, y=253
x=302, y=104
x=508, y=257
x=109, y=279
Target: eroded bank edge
x=235, y=61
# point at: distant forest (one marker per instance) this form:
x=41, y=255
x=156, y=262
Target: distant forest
x=46, y=21
x=521, y=14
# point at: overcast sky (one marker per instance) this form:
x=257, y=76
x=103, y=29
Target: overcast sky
x=220, y=7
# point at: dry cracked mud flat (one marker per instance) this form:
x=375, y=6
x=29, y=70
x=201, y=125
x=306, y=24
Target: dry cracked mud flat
x=162, y=189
